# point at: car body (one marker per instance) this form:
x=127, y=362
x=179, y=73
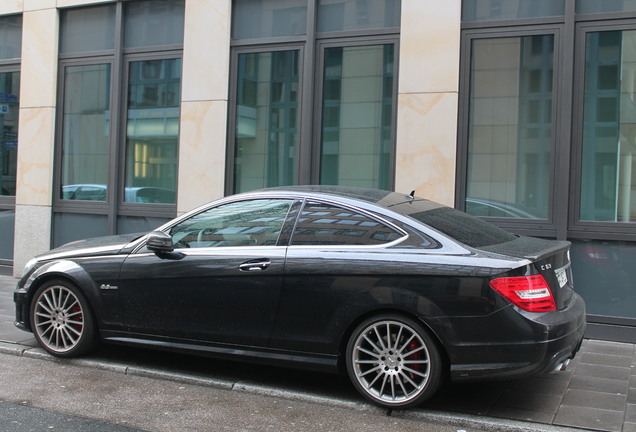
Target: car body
x=398, y=291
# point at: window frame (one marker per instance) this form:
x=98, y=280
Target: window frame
x=545, y=227
x=230, y=159
x=578, y=228
x=315, y=146
x=293, y=202
x=377, y=218
x=310, y=73
x=130, y=208
x=7, y=202
x=119, y=58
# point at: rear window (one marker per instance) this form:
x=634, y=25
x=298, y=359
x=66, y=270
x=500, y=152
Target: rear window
x=458, y=225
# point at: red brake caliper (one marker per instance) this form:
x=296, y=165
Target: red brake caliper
x=415, y=356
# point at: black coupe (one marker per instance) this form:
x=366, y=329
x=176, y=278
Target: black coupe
x=399, y=292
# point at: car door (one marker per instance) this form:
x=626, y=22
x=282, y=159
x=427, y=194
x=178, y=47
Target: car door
x=334, y=259
x=222, y=284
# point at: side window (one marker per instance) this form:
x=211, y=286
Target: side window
x=324, y=224
x=243, y=223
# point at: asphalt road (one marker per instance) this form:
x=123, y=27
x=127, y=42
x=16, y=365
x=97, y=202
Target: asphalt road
x=19, y=418
x=41, y=395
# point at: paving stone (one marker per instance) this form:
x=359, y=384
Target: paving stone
x=607, y=372
x=529, y=400
x=603, y=385
x=630, y=413
x=608, y=347
x=606, y=359
x=522, y=415
x=629, y=427
x=470, y=398
x=547, y=384
x=590, y=418
x=594, y=399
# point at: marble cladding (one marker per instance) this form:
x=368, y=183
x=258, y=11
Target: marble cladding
x=426, y=120
x=201, y=153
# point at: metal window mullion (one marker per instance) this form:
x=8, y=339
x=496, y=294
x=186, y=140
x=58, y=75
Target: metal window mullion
x=564, y=84
x=305, y=154
x=117, y=94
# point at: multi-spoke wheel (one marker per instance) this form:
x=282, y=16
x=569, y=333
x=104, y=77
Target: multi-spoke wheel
x=393, y=362
x=61, y=321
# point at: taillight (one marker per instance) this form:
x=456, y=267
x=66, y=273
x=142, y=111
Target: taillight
x=530, y=293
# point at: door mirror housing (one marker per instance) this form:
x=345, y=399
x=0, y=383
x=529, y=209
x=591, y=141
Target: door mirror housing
x=159, y=242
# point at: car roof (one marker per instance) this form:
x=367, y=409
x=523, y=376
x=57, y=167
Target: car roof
x=383, y=198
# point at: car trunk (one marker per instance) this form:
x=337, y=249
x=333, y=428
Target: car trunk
x=551, y=259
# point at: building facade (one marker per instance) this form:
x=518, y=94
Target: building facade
x=118, y=115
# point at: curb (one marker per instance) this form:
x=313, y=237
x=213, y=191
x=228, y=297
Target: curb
x=443, y=418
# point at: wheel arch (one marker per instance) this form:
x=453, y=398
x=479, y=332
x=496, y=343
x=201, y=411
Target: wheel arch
x=346, y=335
x=67, y=271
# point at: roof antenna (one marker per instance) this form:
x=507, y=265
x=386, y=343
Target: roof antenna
x=411, y=196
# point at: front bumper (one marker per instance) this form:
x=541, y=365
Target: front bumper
x=21, y=301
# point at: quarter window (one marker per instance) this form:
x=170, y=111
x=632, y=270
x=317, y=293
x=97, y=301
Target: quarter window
x=324, y=224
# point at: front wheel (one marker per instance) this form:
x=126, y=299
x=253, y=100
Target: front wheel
x=393, y=362
x=61, y=320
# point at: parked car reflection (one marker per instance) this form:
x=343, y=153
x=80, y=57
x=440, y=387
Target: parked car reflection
x=97, y=192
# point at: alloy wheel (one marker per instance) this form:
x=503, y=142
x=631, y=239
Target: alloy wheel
x=391, y=363
x=59, y=319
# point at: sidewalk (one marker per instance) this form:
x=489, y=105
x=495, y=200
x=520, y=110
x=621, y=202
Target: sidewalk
x=596, y=392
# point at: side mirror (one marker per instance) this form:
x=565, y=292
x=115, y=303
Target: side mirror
x=159, y=242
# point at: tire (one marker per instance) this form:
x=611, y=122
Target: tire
x=61, y=319
x=393, y=362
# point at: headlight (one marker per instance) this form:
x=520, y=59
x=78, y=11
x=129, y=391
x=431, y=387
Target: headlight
x=29, y=266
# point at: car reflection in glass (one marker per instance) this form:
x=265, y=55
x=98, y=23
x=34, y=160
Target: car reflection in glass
x=398, y=292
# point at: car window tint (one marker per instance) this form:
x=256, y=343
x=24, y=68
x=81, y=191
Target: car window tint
x=324, y=224
x=458, y=225
x=243, y=223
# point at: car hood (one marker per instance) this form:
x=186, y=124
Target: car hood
x=109, y=245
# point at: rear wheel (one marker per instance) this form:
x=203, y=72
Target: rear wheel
x=61, y=320
x=393, y=362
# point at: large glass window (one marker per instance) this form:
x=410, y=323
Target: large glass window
x=117, y=150
x=599, y=6
x=265, y=19
x=87, y=29
x=604, y=274
x=313, y=109
x=510, y=127
x=11, y=37
x=490, y=10
x=86, y=139
x=10, y=52
x=338, y=15
x=608, y=167
x=266, y=119
x=9, y=109
x=357, y=125
x=153, y=131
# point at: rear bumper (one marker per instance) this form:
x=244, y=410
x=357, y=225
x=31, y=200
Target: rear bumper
x=543, y=342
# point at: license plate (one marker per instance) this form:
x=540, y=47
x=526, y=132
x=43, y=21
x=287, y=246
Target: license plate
x=562, y=277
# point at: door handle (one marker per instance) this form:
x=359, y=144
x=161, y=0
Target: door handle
x=256, y=265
